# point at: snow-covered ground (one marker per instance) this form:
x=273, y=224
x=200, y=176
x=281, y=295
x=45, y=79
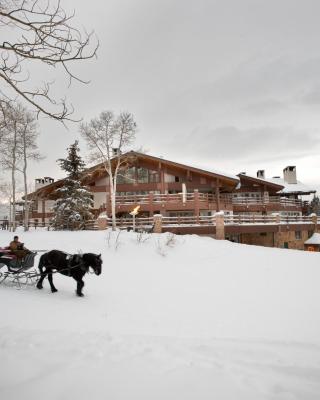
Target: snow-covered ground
x=170, y=318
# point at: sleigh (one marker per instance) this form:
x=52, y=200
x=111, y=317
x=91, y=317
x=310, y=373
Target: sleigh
x=17, y=272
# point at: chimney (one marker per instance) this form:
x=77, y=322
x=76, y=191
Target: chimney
x=41, y=182
x=115, y=151
x=290, y=174
x=260, y=174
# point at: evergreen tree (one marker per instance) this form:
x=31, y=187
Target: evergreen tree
x=72, y=208
x=314, y=206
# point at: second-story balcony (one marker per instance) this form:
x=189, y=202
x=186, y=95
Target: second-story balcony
x=173, y=202
x=196, y=202
x=268, y=204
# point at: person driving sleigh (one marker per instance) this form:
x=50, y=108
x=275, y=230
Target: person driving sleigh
x=17, y=248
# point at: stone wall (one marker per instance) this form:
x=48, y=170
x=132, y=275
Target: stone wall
x=258, y=239
x=277, y=239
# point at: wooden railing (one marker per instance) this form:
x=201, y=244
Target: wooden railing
x=210, y=198
x=233, y=219
x=236, y=219
x=282, y=201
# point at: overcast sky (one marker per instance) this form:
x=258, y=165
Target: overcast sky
x=231, y=84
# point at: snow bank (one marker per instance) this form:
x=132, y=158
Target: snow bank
x=171, y=317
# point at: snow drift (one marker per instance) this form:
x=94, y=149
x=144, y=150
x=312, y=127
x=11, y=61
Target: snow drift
x=171, y=317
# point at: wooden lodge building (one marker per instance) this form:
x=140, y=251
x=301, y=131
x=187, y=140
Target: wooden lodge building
x=179, y=192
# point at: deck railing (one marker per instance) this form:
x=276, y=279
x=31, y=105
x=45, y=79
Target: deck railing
x=233, y=219
x=237, y=219
x=209, y=198
x=282, y=201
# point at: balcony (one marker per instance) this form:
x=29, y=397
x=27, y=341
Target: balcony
x=268, y=203
x=197, y=202
x=171, y=202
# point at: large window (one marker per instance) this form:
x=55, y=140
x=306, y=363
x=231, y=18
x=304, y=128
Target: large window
x=126, y=176
x=154, y=177
x=142, y=175
x=137, y=174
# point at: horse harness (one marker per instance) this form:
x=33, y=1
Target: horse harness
x=69, y=259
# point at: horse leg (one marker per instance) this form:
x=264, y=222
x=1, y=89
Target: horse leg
x=80, y=285
x=53, y=288
x=43, y=275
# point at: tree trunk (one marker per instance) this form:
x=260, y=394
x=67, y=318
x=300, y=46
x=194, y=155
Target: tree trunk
x=26, y=203
x=13, y=181
x=113, y=204
x=13, y=178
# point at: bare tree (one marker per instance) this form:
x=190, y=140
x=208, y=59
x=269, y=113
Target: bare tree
x=6, y=198
x=18, y=145
x=28, y=135
x=10, y=155
x=108, y=137
x=42, y=32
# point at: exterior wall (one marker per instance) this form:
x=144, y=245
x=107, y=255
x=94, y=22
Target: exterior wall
x=99, y=199
x=259, y=239
x=275, y=239
x=102, y=181
x=290, y=238
x=45, y=207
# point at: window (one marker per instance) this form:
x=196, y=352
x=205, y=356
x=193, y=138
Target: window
x=143, y=175
x=126, y=176
x=298, y=235
x=153, y=177
x=177, y=179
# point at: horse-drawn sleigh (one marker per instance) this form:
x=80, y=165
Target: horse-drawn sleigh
x=21, y=272
x=17, y=271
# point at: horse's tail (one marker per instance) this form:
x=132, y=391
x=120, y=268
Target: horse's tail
x=41, y=263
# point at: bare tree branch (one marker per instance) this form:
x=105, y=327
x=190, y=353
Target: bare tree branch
x=43, y=33
x=107, y=137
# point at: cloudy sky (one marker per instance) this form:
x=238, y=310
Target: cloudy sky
x=231, y=84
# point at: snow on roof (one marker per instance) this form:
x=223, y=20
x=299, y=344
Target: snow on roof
x=191, y=164
x=214, y=171
x=298, y=187
x=314, y=239
x=261, y=179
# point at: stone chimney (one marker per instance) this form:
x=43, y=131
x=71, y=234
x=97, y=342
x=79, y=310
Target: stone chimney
x=260, y=174
x=115, y=151
x=290, y=174
x=41, y=182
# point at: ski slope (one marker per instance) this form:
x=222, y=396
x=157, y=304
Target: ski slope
x=171, y=317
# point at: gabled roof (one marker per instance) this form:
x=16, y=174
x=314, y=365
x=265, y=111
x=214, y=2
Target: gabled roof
x=275, y=185
x=195, y=168
x=229, y=180
x=314, y=239
x=293, y=188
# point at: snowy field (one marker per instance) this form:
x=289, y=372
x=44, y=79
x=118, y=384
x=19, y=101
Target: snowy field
x=169, y=318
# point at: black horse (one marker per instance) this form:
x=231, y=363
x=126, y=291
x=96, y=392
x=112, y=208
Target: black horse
x=76, y=266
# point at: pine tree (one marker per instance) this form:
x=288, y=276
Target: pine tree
x=72, y=208
x=314, y=206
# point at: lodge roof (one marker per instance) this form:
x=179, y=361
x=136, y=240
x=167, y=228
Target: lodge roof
x=195, y=168
x=293, y=188
x=93, y=172
x=253, y=179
